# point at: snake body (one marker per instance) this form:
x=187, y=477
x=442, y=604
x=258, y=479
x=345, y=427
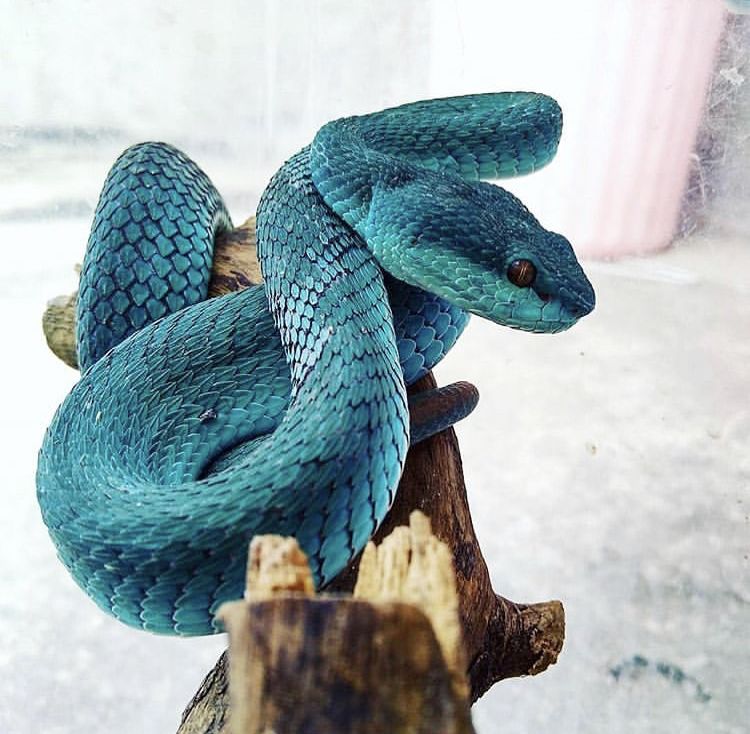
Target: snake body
x=198, y=423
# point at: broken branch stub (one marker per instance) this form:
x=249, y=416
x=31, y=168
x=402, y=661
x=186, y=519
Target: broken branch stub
x=362, y=665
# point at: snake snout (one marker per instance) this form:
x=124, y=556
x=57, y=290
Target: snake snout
x=563, y=276
x=577, y=299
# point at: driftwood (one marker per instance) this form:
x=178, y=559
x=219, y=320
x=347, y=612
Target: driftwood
x=501, y=639
x=387, y=659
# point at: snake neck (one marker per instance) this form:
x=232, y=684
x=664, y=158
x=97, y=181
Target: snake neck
x=474, y=137
x=319, y=278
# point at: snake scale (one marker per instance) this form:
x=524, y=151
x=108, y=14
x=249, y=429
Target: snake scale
x=197, y=424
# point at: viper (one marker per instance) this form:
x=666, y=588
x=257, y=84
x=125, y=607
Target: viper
x=198, y=424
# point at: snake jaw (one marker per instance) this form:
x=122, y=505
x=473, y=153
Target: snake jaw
x=535, y=315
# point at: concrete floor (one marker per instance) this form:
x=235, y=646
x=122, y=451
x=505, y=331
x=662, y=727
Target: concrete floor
x=607, y=467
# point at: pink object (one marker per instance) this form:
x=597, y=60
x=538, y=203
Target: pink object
x=631, y=78
x=638, y=146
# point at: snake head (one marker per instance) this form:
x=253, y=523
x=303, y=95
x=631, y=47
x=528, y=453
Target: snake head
x=477, y=246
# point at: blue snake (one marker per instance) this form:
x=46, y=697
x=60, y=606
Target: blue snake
x=198, y=424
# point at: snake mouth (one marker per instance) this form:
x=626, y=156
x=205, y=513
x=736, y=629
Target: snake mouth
x=539, y=313
x=559, y=316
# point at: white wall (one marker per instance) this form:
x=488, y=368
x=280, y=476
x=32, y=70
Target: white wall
x=242, y=85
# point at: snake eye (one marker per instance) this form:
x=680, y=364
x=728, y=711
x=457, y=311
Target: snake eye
x=521, y=273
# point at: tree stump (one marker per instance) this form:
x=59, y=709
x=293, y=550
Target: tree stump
x=387, y=659
x=501, y=639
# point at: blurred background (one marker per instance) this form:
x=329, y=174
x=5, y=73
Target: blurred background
x=607, y=467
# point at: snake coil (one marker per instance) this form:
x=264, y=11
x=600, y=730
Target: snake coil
x=197, y=424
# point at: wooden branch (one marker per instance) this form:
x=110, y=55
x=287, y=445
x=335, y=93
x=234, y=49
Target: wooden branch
x=58, y=325
x=502, y=639
x=235, y=261
x=376, y=662
x=411, y=565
